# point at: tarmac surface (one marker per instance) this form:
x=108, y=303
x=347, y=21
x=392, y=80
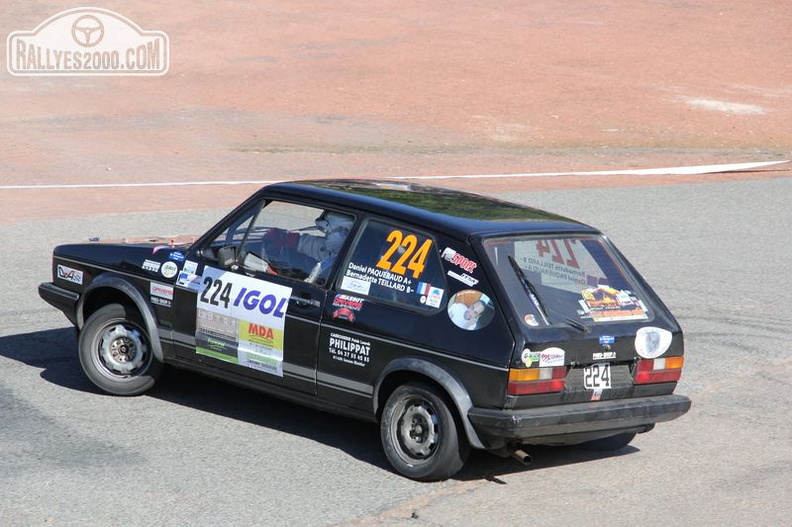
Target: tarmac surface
x=272, y=91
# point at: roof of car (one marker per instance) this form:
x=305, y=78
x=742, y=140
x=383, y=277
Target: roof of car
x=455, y=212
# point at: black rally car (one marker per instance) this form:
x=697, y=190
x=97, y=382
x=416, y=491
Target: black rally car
x=452, y=319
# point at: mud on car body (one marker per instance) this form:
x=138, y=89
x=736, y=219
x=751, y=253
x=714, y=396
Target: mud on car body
x=453, y=320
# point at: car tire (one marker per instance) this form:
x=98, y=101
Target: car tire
x=115, y=351
x=419, y=434
x=609, y=444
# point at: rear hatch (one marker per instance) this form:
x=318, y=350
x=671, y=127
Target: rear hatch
x=592, y=328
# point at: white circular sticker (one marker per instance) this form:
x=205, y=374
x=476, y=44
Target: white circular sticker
x=651, y=342
x=169, y=269
x=470, y=309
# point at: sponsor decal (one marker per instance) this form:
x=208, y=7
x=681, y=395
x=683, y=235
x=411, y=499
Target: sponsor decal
x=551, y=357
x=529, y=357
x=344, y=313
x=161, y=290
x=355, y=285
x=607, y=339
x=190, y=281
x=241, y=320
x=605, y=304
x=450, y=255
x=190, y=267
x=87, y=41
x=651, y=342
x=434, y=298
x=603, y=355
x=188, y=278
x=151, y=265
x=347, y=306
x=596, y=394
x=349, y=350
x=160, y=301
x=74, y=276
x=352, y=303
x=464, y=278
x=176, y=256
x=169, y=269
x=430, y=295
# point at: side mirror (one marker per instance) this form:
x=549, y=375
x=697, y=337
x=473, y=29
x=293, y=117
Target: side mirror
x=226, y=256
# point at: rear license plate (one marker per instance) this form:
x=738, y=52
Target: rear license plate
x=597, y=376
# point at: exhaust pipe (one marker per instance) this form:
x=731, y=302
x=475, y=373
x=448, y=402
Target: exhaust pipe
x=522, y=456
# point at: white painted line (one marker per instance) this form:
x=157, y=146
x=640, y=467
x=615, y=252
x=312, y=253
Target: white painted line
x=131, y=185
x=672, y=171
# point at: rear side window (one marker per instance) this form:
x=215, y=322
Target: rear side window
x=396, y=264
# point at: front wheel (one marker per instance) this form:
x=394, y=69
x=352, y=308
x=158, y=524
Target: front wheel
x=419, y=434
x=115, y=351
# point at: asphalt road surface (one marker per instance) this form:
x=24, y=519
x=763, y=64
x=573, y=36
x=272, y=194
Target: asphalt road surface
x=197, y=452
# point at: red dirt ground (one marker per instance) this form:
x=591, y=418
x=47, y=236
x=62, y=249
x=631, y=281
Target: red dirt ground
x=282, y=90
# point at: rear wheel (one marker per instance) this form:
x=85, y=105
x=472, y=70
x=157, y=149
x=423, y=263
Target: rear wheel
x=419, y=434
x=608, y=444
x=115, y=351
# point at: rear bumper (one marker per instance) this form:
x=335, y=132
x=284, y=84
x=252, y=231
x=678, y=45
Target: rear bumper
x=60, y=298
x=578, y=422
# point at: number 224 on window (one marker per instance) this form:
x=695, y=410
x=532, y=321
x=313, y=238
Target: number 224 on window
x=413, y=258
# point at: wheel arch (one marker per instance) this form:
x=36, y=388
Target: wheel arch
x=406, y=369
x=110, y=288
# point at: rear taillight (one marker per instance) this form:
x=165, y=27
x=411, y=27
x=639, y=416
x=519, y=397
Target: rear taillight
x=651, y=371
x=528, y=381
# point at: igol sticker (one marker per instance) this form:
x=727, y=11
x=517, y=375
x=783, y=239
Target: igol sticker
x=470, y=309
x=651, y=342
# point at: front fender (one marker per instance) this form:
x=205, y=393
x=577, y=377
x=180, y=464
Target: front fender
x=125, y=287
x=448, y=382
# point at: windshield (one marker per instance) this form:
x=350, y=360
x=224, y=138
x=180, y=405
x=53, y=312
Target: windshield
x=574, y=280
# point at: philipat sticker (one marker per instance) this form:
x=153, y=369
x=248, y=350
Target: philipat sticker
x=551, y=357
x=651, y=342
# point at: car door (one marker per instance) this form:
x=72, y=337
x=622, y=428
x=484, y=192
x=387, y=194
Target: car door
x=250, y=300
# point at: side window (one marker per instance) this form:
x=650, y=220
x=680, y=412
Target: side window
x=294, y=241
x=396, y=264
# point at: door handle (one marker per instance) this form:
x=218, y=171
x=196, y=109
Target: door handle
x=304, y=302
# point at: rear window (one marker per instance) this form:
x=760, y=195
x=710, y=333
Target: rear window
x=565, y=279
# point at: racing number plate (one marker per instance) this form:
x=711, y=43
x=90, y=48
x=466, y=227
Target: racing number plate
x=597, y=376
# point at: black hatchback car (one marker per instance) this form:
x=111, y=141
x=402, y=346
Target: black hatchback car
x=452, y=319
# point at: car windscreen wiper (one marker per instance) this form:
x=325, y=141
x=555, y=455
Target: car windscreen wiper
x=537, y=302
